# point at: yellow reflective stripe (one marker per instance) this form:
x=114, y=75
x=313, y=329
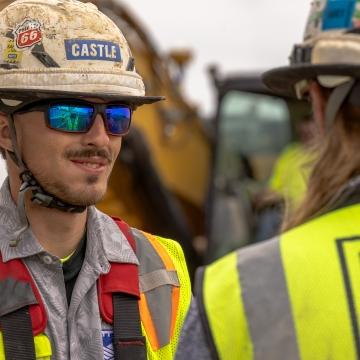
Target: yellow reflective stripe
x=222, y=300
x=42, y=347
x=316, y=284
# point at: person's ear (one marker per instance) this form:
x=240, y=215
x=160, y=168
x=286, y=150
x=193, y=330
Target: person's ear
x=5, y=139
x=318, y=102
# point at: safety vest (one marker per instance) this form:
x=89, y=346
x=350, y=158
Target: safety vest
x=152, y=325
x=293, y=297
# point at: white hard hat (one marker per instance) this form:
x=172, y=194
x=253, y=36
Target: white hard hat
x=65, y=48
x=329, y=53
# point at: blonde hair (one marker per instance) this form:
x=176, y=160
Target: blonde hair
x=338, y=161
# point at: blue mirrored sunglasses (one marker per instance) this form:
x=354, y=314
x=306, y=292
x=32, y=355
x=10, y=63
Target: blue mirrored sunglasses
x=77, y=116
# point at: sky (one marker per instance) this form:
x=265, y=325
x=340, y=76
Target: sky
x=236, y=35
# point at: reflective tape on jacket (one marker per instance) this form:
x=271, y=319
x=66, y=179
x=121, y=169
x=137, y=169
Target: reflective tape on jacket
x=165, y=292
x=296, y=297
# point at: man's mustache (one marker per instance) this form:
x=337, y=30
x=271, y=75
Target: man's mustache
x=87, y=153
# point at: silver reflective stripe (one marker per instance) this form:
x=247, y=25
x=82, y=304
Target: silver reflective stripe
x=266, y=302
x=14, y=295
x=148, y=258
x=158, y=278
x=159, y=299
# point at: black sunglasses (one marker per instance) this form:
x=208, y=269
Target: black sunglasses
x=77, y=116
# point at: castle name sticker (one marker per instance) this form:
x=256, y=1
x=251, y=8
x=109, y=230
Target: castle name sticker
x=79, y=49
x=27, y=33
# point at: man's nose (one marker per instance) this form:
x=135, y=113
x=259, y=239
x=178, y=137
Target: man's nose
x=97, y=134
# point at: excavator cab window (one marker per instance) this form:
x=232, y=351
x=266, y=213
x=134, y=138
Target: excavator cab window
x=253, y=127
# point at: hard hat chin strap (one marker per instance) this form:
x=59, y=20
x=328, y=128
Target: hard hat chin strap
x=44, y=198
x=335, y=101
x=28, y=181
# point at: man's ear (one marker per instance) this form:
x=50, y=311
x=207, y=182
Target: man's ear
x=318, y=102
x=5, y=139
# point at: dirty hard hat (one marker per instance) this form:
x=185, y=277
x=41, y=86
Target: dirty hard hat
x=329, y=53
x=65, y=48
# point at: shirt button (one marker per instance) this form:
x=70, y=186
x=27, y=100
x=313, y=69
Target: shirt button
x=47, y=259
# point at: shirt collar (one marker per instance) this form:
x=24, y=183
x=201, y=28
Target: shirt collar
x=105, y=242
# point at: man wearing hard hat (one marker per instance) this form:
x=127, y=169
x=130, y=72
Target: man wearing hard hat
x=75, y=283
x=297, y=296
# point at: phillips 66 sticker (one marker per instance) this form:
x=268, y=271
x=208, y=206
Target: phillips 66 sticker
x=28, y=33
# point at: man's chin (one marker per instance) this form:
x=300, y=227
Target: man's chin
x=79, y=193
x=84, y=196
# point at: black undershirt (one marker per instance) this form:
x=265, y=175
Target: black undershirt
x=71, y=268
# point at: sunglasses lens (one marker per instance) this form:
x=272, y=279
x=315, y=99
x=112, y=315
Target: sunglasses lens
x=71, y=118
x=118, y=119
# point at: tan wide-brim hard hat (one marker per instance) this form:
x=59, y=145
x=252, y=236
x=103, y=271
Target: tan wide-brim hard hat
x=65, y=48
x=283, y=80
x=329, y=53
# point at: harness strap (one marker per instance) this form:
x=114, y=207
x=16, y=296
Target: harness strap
x=17, y=326
x=22, y=312
x=129, y=343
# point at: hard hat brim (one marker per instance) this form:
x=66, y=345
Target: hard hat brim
x=36, y=94
x=282, y=80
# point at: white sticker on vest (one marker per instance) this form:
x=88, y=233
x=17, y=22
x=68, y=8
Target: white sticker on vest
x=107, y=339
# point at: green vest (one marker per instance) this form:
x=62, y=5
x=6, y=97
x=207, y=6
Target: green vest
x=293, y=297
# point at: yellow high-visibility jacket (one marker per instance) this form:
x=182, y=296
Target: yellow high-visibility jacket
x=293, y=297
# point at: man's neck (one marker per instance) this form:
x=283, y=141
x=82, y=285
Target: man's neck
x=59, y=233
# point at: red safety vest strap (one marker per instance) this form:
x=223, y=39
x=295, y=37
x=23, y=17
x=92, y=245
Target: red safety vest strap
x=122, y=278
x=19, y=290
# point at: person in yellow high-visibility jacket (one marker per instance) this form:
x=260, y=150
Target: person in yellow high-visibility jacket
x=297, y=296
x=291, y=171
x=288, y=182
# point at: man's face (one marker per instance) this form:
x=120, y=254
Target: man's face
x=74, y=167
